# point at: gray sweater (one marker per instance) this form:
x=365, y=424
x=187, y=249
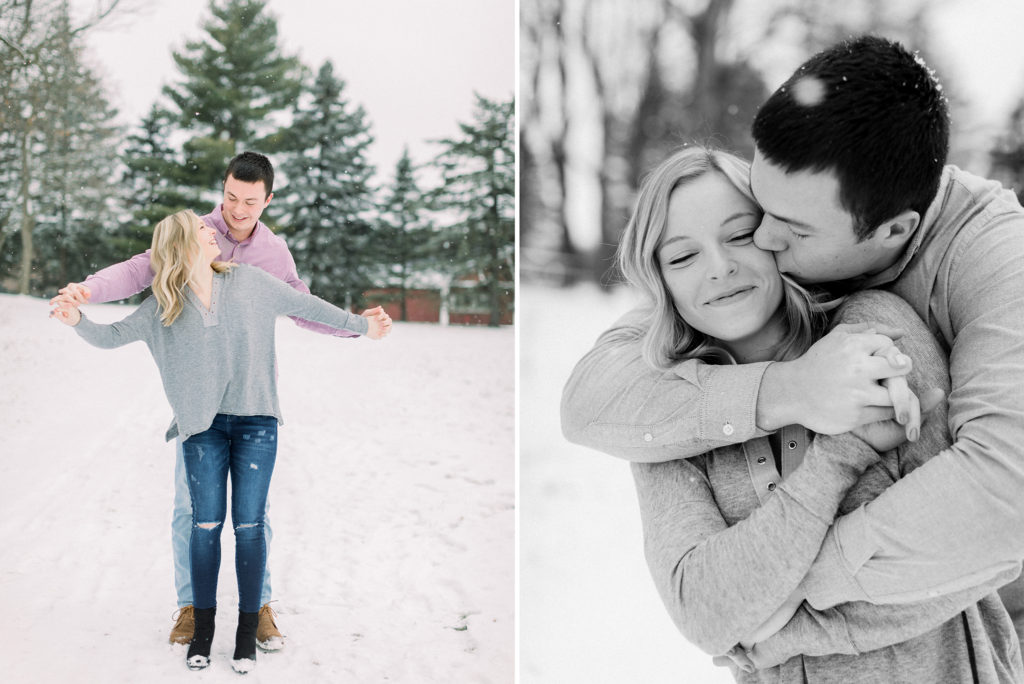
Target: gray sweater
x=220, y=360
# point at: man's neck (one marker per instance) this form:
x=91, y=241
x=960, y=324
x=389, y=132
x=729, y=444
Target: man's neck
x=241, y=236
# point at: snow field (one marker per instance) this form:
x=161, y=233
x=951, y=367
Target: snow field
x=392, y=507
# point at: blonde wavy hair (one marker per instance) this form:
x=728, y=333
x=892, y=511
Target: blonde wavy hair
x=174, y=258
x=667, y=338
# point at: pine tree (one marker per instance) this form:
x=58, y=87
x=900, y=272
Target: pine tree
x=155, y=181
x=327, y=197
x=235, y=80
x=75, y=212
x=478, y=189
x=402, y=231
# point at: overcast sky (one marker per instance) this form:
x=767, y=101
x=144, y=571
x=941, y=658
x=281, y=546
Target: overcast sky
x=412, y=64
x=985, y=52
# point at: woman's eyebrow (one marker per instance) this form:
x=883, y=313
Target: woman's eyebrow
x=675, y=238
x=740, y=215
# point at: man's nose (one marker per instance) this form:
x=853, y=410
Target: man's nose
x=769, y=236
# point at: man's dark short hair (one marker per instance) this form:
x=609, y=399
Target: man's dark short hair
x=872, y=113
x=250, y=167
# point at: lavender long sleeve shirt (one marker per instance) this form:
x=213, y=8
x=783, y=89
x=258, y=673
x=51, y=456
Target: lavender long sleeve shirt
x=221, y=359
x=262, y=248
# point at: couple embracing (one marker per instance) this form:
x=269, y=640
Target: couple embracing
x=823, y=400
x=219, y=283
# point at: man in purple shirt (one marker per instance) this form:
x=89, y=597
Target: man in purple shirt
x=243, y=238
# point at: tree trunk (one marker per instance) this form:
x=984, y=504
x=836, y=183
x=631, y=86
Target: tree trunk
x=27, y=219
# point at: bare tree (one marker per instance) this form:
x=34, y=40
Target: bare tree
x=37, y=56
x=635, y=80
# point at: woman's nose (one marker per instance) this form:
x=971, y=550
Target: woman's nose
x=721, y=265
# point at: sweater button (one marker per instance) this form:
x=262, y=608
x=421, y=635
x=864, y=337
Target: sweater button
x=761, y=459
x=792, y=444
x=771, y=486
x=728, y=429
x=648, y=436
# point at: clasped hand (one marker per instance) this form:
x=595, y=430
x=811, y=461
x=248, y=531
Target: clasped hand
x=855, y=380
x=65, y=304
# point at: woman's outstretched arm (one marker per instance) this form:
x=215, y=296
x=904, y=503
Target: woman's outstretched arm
x=132, y=328
x=285, y=300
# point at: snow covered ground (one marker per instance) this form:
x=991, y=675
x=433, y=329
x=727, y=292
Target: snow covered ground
x=392, y=507
x=588, y=610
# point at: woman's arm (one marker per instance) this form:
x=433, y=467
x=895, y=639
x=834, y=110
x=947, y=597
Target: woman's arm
x=721, y=583
x=287, y=301
x=132, y=328
x=858, y=627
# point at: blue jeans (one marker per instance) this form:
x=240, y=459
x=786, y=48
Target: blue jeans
x=244, y=447
x=181, y=535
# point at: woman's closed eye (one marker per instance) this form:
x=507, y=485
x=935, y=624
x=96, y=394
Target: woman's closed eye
x=743, y=237
x=681, y=259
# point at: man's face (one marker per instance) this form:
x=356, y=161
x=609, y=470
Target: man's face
x=243, y=205
x=811, y=234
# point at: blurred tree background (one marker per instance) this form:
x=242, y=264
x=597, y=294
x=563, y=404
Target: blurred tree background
x=78, y=193
x=609, y=89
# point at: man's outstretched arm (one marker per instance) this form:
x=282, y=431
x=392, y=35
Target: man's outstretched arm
x=616, y=403
x=115, y=282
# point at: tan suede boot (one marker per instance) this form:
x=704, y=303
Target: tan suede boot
x=268, y=637
x=184, y=626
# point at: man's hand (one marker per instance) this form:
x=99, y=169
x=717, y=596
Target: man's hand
x=72, y=293
x=834, y=387
x=65, y=312
x=379, y=323
x=888, y=434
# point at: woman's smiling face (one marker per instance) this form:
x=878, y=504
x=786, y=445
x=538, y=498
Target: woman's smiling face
x=720, y=282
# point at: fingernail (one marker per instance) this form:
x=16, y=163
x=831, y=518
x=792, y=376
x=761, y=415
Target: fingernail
x=913, y=435
x=902, y=419
x=901, y=360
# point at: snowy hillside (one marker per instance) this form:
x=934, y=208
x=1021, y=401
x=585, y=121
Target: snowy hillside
x=392, y=507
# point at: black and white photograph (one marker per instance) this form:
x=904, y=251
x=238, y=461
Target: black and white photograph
x=772, y=341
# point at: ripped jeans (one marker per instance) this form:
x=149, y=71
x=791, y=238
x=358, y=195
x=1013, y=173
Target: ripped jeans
x=245, y=447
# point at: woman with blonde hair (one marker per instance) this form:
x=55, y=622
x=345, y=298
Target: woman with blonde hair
x=210, y=328
x=731, y=534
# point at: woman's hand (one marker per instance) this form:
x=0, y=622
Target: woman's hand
x=66, y=312
x=889, y=434
x=379, y=323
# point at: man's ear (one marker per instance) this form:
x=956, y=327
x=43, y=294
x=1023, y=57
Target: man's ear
x=269, y=197
x=899, y=229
